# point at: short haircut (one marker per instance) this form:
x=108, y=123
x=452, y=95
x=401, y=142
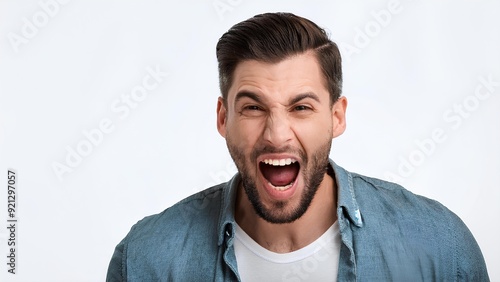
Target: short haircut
x=273, y=37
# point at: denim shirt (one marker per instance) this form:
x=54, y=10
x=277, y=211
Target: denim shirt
x=388, y=234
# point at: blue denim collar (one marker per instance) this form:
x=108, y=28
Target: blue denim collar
x=346, y=197
x=346, y=201
x=227, y=223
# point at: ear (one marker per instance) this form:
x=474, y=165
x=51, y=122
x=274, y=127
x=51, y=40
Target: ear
x=338, y=114
x=221, y=117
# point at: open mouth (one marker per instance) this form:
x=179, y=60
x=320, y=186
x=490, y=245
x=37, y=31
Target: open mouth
x=280, y=173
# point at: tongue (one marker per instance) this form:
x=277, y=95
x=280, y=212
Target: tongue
x=280, y=175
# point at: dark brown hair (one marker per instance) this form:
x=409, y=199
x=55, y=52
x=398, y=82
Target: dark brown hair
x=273, y=37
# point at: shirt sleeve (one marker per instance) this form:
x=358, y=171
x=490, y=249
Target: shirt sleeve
x=469, y=259
x=117, y=270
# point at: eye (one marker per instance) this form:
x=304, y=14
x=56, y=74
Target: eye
x=252, y=111
x=252, y=108
x=301, y=108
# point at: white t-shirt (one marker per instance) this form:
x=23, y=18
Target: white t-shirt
x=317, y=261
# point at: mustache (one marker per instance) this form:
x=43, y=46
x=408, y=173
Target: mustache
x=266, y=149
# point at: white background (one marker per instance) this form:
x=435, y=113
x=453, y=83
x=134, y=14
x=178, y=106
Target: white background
x=63, y=66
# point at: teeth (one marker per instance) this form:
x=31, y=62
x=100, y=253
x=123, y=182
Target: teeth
x=280, y=188
x=279, y=162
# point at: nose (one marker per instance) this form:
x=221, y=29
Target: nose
x=278, y=131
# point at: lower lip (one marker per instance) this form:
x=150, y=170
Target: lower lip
x=277, y=194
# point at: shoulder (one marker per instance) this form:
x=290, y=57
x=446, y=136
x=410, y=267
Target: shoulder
x=162, y=245
x=377, y=193
x=424, y=226
x=191, y=212
x=378, y=197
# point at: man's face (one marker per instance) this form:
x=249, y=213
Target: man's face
x=279, y=123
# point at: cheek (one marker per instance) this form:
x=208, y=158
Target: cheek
x=244, y=133
x=313, y=133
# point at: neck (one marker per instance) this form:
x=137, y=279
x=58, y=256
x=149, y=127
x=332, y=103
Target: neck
x=288, y=237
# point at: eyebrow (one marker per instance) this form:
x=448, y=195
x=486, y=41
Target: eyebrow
x=303, y=96
x=240, y=95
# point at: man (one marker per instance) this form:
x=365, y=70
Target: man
x=291, y=214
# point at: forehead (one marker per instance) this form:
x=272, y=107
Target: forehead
x=293, y=75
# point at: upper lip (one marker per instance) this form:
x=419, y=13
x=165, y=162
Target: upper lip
x=264, y=157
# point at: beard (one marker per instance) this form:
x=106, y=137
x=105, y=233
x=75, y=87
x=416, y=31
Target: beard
x=283, y=211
